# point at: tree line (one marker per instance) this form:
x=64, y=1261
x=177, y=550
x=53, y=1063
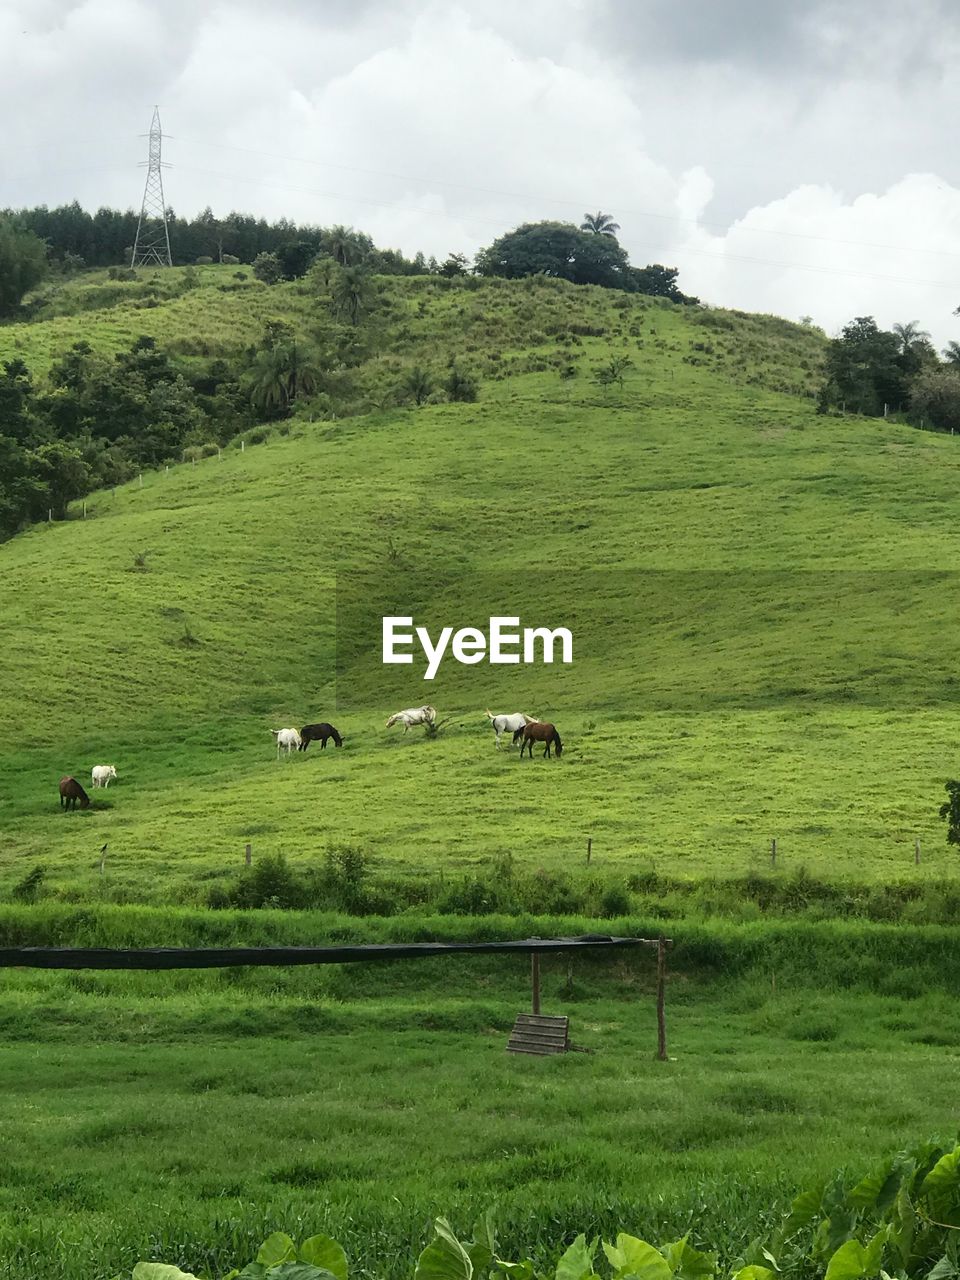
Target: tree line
x=879, y=372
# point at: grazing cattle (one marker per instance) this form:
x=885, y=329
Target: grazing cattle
x=538, y=732
x=412, y=716
x=70, y=792
x=319, y=733
x=509, y=724
x=288, y=739
x=101, y=774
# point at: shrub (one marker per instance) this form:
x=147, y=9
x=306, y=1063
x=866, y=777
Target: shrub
x=28, y=889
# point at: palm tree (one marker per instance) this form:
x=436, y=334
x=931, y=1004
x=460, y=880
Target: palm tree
x=280, y=375
x=951, y=353
x=353, y=294
x=601, y=224
x=910, y=335
x=343, y=245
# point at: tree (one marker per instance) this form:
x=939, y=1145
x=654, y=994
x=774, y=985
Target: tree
x=281, y=374
x=935, y=398
x=951, y=353
x=295, y=258
x=600, y=224
x=557, y=249
x=346, y=246
x=456, y=264
x=418, y=384
x=950, y=811
x=864, y=370
x=23, y=264
x=909, y=335
x=266, y=267
x=660, y=282
x=353, y=294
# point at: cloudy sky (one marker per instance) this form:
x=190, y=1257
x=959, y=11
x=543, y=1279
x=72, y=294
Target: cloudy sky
x=793, y=157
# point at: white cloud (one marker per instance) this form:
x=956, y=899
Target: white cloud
x=745, y=152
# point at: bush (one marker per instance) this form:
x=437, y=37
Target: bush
x=269, y=883
x=459, y=387
x=28, y=889
x=204, y=261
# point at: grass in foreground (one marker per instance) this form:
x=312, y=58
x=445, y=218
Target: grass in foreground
x=182, y=1117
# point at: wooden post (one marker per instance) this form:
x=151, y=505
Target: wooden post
x=49, y=514
x=248, y=855
x=140, y=478
x=242, y=446
x=219, y=454
x=535, y=980
x=916, y=852
x=589, y=848
x=103, y=858
x=773, y=852
x=661, y=996
x=84, y=508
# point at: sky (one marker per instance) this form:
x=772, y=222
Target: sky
x=787, y=157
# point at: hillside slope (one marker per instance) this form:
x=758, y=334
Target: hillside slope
x=700, y=718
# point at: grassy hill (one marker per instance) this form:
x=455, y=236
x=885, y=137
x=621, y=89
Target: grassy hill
x=759, y=599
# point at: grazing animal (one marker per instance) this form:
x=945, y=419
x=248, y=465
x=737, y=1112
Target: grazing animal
x=101, y=774
x=509, y=724
x=288, y=739
x=319, y=733
x=412, y=716
x=70, y=792
x=538, y=732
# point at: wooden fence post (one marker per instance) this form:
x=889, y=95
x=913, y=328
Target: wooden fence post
x=103, y=858
x=661, y=997
x=535, y=980
x=140, y=478
x=589, y=848
x=773, y=852
x=916, y=852
x=248, y=855
x=49, y=514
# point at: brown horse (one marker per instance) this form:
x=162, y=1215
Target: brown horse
x=70, y=792
x=538, y=732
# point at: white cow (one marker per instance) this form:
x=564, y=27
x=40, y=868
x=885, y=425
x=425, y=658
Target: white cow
x=101, y=774
x=412, y=716
x=509, y=724
x=289, y=739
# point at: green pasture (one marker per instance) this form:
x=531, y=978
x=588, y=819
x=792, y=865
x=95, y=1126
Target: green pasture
x=183, y=1116
x=762, y=599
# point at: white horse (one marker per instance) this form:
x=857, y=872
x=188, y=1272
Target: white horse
x=289, y=739
x=412, y=716
x=101, y=774
x=509, y=724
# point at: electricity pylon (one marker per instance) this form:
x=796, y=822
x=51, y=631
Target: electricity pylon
x=152, y=243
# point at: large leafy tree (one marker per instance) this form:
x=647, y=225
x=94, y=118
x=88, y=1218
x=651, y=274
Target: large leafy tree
x=600, y=224
x=935, y=398
x=865, y=370
x=23, y=264
x=557, y=249
x=951, y=353
x=660, y=282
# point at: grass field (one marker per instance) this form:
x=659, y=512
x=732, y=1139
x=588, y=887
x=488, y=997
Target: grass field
x=762, y=603
x=837, y=729
x=362, y=1101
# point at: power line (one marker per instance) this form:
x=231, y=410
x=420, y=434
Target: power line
x=675, y=250
x=515, y=195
